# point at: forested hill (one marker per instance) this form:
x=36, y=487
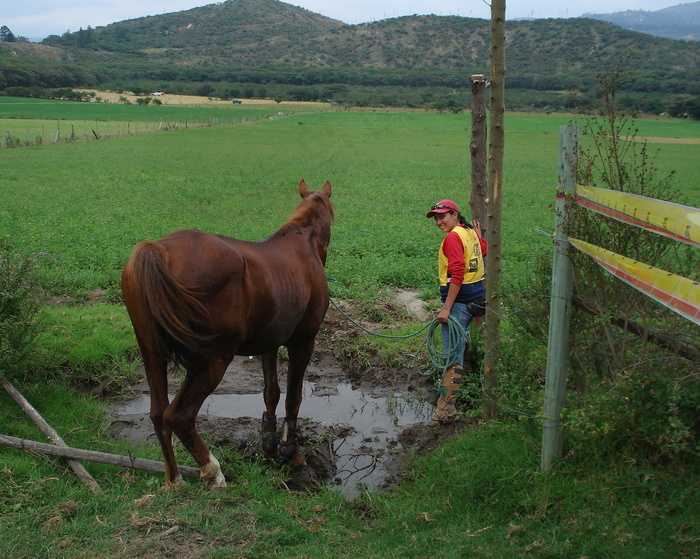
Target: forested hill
x=260, y=33
x=271, y=48
x=238, y=32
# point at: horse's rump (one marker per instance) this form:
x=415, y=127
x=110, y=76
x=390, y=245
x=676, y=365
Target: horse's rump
x=176, y=321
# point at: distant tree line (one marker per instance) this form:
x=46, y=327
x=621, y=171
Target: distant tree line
x=7, y=36
x=65, y=93
x=429, y=98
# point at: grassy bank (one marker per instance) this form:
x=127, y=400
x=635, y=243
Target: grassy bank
x=480, y=496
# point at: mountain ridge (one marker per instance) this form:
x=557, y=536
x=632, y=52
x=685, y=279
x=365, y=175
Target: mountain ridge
x=680, y=22
x=264, y=33
x=240, y=48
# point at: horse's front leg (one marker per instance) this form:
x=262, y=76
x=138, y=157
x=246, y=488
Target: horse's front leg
x=299, y=357
x=271, y=395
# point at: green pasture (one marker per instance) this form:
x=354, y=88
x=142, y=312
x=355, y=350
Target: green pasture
x=87, y=203
x=82, y=206
x=30, y=121
x=49, y=109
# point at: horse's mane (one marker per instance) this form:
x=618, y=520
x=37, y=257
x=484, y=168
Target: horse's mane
x=304, y=212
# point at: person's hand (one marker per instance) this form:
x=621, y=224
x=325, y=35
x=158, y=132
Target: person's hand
x=476, y=225
x=442, y=316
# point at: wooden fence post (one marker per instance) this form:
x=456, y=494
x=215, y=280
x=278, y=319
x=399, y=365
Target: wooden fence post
x=477, y=149
x=560, y=306
x=494, y=209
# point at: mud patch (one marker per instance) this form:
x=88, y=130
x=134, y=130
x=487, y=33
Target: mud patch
x=357, y=429
x=411, y=302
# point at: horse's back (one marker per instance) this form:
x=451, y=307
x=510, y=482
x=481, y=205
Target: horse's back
x=210, y=262
x=260, y=295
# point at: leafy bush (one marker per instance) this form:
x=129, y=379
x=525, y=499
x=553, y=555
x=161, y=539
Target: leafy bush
x=20, y=299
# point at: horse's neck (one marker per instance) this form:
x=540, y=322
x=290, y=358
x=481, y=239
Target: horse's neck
x=319, y=235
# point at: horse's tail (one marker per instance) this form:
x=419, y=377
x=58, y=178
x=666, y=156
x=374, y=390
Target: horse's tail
x=175, y=318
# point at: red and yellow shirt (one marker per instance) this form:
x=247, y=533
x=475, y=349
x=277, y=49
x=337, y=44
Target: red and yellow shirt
x=460, y=261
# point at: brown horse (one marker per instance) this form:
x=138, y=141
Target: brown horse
x=197, y=300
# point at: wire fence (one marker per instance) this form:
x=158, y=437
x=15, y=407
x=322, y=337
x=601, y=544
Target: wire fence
x=47, y=132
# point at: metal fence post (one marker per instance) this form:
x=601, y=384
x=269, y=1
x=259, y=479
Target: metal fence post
x=560, y=306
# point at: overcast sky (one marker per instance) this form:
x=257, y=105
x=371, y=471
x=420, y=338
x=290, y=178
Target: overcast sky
x=36, y=19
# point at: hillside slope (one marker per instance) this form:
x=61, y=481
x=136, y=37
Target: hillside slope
x=264, y=33
x=271, y=49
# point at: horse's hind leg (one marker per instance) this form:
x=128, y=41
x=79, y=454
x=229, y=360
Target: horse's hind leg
x=271, y=395
x=157, y=376
x=299, y=357
x=181, y=416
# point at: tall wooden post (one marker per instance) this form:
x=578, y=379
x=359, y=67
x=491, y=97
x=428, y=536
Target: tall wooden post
x=494, y=216
x=560, y=306
x=477, y=149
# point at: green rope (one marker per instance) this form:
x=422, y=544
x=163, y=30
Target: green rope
x=436, y=356
x=376, y=333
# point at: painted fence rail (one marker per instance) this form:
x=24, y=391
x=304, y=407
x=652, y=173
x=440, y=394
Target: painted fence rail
x=677, y=293
x=676, y=221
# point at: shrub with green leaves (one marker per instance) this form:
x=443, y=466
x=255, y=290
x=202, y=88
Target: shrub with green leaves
x=633, y=368
x=20, y=299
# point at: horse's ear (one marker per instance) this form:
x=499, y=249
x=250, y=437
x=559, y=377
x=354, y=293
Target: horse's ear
x=327, y=189
x=303, y=189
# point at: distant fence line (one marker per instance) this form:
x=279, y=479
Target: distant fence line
x=102, y=129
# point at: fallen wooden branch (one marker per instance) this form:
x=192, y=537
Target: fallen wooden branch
x=93, y=456
x=681, y=349
x=50, y=432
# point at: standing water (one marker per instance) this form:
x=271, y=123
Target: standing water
x=363, y=424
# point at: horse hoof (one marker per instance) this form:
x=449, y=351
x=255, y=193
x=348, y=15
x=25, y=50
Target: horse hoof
x=298, y=459
x=274, y=453
x=269, y=444
x=287, y=450
x=269, y=436
x=175, y=484
x=214, y=488
x=292, y=454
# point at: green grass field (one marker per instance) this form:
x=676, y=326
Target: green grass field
x=88, y=203
x=48, y=109
x=28, y=121
x=84, y=205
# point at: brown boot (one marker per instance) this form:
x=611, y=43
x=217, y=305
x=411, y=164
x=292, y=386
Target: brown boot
x=446, y=412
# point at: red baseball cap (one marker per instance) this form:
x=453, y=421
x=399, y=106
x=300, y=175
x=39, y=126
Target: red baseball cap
x=443, y=206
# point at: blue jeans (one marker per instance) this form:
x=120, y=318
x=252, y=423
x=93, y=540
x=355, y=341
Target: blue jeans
x=454, y=348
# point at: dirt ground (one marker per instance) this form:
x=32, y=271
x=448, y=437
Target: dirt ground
x=171, y=99
x=326, y=372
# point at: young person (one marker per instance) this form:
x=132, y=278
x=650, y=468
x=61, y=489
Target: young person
x=461, y=277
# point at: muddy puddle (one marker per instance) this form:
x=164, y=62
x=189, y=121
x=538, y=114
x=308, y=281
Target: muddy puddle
x=356, y=429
